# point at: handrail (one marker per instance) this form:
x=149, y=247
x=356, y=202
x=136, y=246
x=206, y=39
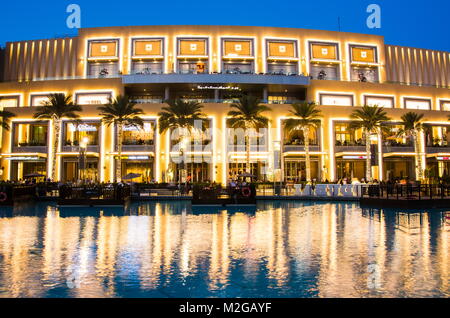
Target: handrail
x=406, y=191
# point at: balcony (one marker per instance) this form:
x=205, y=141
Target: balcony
x=391, y=147
x=216, y=78
x=300, y=148
x=242, y=148
x=438, y=148
x=350, y=146
x=137, y=146
x=30, y=147
x=75, y=148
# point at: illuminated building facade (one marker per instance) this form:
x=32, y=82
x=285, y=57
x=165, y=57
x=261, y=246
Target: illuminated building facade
x=214, y=65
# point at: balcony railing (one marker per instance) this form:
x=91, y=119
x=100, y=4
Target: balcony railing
x=438, y=149
x=77, y=148
x=30, y=147
x=301, y=148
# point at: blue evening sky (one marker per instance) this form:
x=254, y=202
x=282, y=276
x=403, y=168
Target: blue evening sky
x=415, y=23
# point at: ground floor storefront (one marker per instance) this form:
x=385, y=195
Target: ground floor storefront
x=79, y=168
x=257, y=169
x=20, y=169
x=438, y=167
x=350, y=169
x=295, y=168
x=399, y=168
x=139, y=165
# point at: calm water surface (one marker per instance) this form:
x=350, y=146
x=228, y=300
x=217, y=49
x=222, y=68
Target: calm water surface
x=279, y=249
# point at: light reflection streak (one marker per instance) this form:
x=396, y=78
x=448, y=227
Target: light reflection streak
x=289, y=249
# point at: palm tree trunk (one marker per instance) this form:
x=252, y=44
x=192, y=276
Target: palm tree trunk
x=368, y=158
x=247, y=148
x=307, y=156
x=119, y=152
x=418, y=157
x=57, y=130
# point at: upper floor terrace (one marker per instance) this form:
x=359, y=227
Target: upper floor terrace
x=143, y=53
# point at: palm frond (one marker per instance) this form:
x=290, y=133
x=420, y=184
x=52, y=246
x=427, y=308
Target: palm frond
x=121, y=110
x=58, y=106
x=5, y=118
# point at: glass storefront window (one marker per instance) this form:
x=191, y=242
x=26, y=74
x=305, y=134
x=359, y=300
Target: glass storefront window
x=257, y=169
x=147, y=68
x=74, y=133
x=350, y=169
x=346, y=136
x=282, y=68
x=364, y=74
x=20, y=169
x=392, y=138
x=103, y=69
x=437, y=136
x=30, y=135
x=197, y=137
x=142, y=167
x=324, y=72
x=139, y=136
x=296, y=138
x=192, y=67
x=195, y=172
x=72, y=173
x=295, y=170
x=238, y=68
x=400, y=168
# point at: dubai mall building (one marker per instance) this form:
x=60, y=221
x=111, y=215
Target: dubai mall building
x=214, y=65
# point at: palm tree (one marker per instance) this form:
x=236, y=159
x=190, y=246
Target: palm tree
x=121, y=112
x=248, y=114
x=370, y=119
x=5, y=118
x=57, y=107
x=181, y=114
x=307, y=117
x=412, y=126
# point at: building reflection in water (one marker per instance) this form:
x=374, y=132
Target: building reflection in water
x=290, y=249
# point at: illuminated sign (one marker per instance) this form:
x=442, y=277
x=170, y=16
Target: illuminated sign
x=147, y=127
x=443, y=158
x=82, y=127
x=219, y=87
x=354, y=157
x=93, y=99
x=134, y=157
x=24, y=158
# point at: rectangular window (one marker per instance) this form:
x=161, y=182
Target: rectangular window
x=365, y=54
x=193, y=47
x=237, y=47
x=445, y=105
x=325, y=72
x=413, y=103
x=324, y=51
x=347, y=136
x=336, y=100
x=364, y=74
x=103, y=49
x=148, y=47
x=9, y=101
x=381, y=101
x=136, y=136
x=281, y=49
x=147, y=68
x=102, y=70
x=30, y=134
x=75, y=133
x=39, y=100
